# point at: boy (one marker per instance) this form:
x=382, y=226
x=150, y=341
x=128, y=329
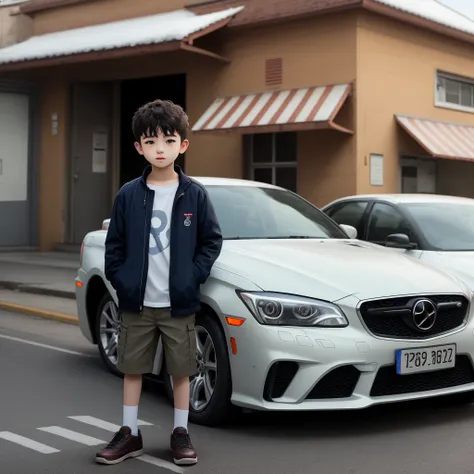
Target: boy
x=162, y=242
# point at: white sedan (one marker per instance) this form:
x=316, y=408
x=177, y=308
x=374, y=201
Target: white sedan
x=435, y=229
x=298, y=316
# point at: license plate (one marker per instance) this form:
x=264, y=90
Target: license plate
x=425, y=359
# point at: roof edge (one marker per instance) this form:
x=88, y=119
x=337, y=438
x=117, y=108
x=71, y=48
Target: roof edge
x=32, y=7
x=412, y=19
x=199, y=6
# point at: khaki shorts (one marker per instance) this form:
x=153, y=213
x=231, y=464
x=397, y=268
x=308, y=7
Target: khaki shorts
x=138, y=341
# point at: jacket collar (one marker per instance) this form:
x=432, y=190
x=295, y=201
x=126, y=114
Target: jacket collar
x=183, y=178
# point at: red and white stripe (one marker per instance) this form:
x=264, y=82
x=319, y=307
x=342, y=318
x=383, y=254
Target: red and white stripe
x=441, y=139
x=311, y=104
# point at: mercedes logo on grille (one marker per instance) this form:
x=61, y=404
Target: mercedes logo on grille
x=424, y=314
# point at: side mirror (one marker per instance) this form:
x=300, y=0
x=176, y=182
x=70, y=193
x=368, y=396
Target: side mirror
x=399, y=241
x=349, y=230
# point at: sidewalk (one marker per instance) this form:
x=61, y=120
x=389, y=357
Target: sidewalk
x=50, y=273
x=39, y=284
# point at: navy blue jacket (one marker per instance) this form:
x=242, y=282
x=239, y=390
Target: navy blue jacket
x=195, y=244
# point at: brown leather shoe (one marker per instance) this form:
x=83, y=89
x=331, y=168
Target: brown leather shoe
x=123, y=446
x=181, y=448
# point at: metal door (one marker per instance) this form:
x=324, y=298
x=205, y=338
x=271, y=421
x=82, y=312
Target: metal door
x=90, y=201
x=15, y=189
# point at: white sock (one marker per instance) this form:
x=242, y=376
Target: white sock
x=130, y=418
x=180, y=418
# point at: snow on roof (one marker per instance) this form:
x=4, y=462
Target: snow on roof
x=434, y=11
x=153, y=29
x=5, y=3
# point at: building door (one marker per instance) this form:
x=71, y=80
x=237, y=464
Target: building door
x=418, y=176
x=90, y=199
x=15, y=179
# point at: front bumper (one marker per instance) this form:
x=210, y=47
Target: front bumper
x=289, y=368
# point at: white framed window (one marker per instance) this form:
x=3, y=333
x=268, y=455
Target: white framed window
x=272, y=158
x=454, y=92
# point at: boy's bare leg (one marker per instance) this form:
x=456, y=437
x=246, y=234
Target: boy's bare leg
x=132, y=388
x=181, y=402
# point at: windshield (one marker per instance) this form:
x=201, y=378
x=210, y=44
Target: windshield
x=248, y=212
x=445, y=226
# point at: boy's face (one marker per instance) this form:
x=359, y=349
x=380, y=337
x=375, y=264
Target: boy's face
x=161, y=151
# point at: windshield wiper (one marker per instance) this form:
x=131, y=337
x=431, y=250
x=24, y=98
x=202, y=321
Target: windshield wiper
x=285, y=237
x=274, y=237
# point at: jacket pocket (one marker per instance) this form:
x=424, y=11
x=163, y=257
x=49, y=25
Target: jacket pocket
x=121, y=281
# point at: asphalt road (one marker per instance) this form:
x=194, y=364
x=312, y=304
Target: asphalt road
x=52, y=381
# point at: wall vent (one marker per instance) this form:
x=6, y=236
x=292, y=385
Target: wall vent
x=273, y=71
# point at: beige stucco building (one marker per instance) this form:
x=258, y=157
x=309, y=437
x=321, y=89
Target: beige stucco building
x=319, y=96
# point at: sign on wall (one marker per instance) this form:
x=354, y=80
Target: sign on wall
x=376, y=170
x=14, y=145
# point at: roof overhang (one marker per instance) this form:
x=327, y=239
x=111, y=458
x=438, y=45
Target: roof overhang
x=173, y=31
x=440, y=139
x=427, y=14
x=310, y=108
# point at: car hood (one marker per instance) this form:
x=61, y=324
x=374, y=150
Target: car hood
x=332, y=269
x=460, y=264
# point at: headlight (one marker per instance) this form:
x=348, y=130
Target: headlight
x=286, y=310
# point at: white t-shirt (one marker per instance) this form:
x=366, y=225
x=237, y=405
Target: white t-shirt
x=157, y=285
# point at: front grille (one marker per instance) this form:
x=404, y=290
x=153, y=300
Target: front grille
x=388, y=382
x=279, y=378
x=338, y=383
x=392, y=317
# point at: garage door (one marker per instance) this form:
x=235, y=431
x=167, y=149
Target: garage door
x=15, y=194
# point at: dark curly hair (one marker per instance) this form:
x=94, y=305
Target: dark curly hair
x=158, y=115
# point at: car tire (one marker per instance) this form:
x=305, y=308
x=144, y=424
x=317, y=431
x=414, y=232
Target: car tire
x=106, y=300
x=219, y=409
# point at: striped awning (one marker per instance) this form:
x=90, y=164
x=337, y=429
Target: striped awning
x=440, y=139
x=270, y=111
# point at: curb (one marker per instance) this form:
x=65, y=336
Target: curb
x=41, y=313
x=36, y=290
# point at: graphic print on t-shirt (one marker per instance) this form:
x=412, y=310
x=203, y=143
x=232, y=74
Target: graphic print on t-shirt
x=159, y=222
x=157, y=287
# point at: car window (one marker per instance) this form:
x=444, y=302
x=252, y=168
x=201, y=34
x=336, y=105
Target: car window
x=385, y=220
x=349, y=213
x=446, y=226
x=250, y=212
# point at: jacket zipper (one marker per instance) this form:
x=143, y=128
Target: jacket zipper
x=144, y=250
x=173, y=218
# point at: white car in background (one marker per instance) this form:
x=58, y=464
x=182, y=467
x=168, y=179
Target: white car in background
x=435, y=229
x=298, y=316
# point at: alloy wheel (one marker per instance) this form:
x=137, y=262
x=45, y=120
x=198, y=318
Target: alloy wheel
x=203, y=384
x=108, y=331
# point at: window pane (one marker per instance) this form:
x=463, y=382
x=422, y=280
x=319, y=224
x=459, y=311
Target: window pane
x=409, y=179
x=263, y=175
x=349, y=214
x=386, y=220
x=445, y=226
x=262, y=148
x=286, y=178
x=453, y=89
x=466, y=95
x=285, y=147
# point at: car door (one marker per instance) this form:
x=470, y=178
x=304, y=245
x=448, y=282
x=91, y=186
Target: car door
x=353, y=213
x=386, y=219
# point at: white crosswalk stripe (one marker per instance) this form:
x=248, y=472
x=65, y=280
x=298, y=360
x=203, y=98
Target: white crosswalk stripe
x=83, y=439
x=160, y=463
x=105, y=425
x=73, y=435
x=28, y=443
